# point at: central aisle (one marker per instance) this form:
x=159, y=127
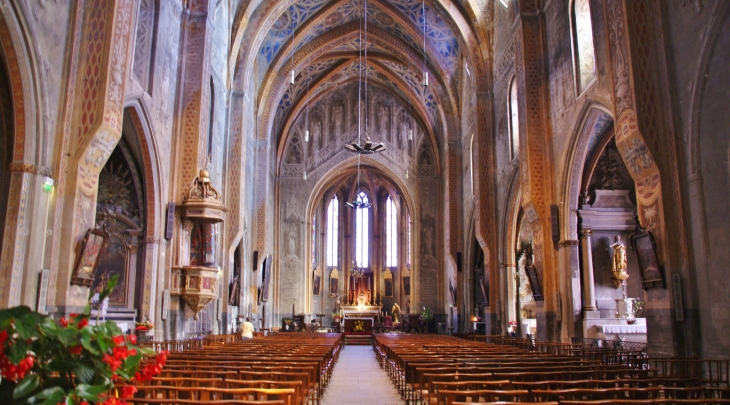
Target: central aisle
x=358, y=379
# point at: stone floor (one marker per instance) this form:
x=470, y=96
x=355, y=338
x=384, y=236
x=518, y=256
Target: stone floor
x=358, y=379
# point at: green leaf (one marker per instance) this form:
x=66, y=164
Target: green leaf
x=27, y=325
x=18, y=351
x=14, y=312
x=109, y=287
x=49, y=326
x=50, y=396
x=26, y=386
x=84, y=372
x=91, y=392
x=88, y=343
x=69, y=336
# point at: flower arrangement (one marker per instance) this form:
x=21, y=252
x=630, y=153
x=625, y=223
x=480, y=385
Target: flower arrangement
x=145, y=325
x=43, y=361
x=286, y=320
x=426, y=314
x=358, y=326
x=336, y=316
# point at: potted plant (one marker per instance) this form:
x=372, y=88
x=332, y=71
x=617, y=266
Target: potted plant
x=427, y=319
x=286, y=322
x=43, y=361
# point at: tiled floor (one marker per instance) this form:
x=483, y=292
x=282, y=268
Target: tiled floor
x=358, y=379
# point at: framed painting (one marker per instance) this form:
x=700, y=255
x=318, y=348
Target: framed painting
x=645, y=248
x=407, y=285
x=388, y=281
x=92, y=245
x=534, y=279
x=334, y=283
x=316, y=282
x=388, y=287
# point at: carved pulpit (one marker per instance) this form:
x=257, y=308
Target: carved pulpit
x=195, y=279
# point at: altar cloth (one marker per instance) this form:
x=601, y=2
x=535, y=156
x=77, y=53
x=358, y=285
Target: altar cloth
x=624, y=329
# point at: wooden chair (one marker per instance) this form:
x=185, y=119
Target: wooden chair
x=447, y=397
x=504, y=403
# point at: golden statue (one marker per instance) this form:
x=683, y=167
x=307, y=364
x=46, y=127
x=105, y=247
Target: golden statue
x=619, y=262
x=396, y=314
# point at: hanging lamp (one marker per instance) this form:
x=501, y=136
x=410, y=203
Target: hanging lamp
x=369, y=147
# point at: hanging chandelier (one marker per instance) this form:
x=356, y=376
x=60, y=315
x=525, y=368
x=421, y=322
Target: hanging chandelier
x=369, y=147
x=358, y=204
x=357, y=272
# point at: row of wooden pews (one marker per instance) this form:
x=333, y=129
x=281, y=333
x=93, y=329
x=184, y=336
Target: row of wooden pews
x=289, y=369
x=434, y=369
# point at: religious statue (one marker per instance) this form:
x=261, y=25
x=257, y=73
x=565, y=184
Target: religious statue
x=336, y=121
x=619, y=262
x=396, y=314
x=292, y=246
x=384, y=116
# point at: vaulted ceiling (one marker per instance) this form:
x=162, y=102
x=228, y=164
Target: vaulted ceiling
x=325, y=42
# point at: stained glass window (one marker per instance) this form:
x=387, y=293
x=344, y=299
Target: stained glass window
x=333, y=211
x=362, y=232
x=391, y=234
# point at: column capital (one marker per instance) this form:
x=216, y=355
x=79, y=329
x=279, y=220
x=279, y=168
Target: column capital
x=586, y=233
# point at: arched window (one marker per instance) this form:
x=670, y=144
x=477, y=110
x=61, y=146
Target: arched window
x=314, y=242
x=408, y=248
x=391, y=234
x=583, y=53
x=333, y=215
x=362, y=231
x=514, y=120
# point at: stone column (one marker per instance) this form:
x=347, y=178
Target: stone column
x=589, y=295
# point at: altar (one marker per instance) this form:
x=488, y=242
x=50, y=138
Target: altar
x=361, y=325
x=361, y=311
x=360, y=318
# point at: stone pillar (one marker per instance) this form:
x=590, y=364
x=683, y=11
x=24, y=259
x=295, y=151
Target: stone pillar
x=536, y=164
x=589, y=310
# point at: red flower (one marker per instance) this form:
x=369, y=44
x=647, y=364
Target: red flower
x=132, y=339
x=63, y=321
x=76, y=349
x=118, y=340
x=128, y=391
x=16, y=372
x=82, y=323
x=113, y=363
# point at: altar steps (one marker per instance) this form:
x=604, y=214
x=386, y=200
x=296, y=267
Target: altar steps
x=358, y=340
